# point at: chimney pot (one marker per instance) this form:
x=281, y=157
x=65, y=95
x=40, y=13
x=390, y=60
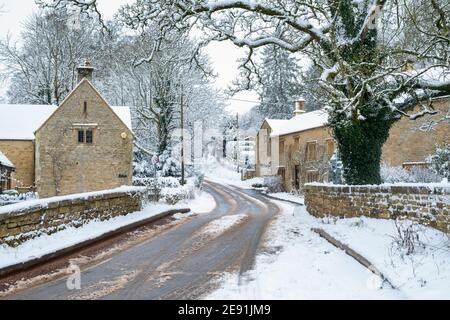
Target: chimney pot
x=299, y=107
x=85, y=71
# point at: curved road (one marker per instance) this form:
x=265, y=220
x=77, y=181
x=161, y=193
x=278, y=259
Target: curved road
x=180, y=263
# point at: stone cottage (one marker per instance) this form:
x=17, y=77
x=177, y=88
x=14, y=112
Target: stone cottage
x=299, y=149
x=80, y=146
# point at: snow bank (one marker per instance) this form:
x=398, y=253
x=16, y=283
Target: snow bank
x=220, y=173
x=298, y=264
x=223, y=224
x=424, y=274
x=43, y=203
x=287, y=196
x=203, y=203
x=46, y=244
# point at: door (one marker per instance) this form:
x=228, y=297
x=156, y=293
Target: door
x=297, y=177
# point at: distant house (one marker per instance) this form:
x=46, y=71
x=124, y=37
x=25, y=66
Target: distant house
x=6, y=169
x=299, y=149
x=82, y=145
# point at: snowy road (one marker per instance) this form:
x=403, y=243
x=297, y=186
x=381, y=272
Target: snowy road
x=181, y=262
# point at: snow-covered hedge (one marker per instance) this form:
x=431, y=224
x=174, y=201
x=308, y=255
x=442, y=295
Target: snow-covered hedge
x=271, y=184
x=169, y=189
x=414, y=175
x=12, y=196
x=440, y=161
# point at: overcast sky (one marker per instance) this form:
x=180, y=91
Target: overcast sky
x=223, y=55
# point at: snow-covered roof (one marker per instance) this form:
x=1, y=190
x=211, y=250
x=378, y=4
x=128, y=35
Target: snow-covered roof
x=276, y=124
x=124, y=115
x=4, y=161
x=302, y=122
x=19, y=122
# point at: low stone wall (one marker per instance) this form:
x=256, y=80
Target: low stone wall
x=426, y=204
x=23, y=221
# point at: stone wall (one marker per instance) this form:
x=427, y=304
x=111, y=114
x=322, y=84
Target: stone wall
x=27, y=220
x=426, y=204
x=21, y=154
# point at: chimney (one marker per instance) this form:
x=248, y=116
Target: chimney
x=299, y=107
x=85, y=71
x=409, y=66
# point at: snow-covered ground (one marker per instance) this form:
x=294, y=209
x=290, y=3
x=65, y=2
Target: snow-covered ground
x=46, y=244
x=225, y=174
x=422, y=274
x=223, y=224
x=298, y=264
x=203, y=203
x=287, y=196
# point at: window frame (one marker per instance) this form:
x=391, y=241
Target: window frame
x=83, y=136
x=315, y=174
x=327, y=142
x=312, y=153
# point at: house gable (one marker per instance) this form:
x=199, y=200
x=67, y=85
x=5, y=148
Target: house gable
x=83, y=146
x=86, y=89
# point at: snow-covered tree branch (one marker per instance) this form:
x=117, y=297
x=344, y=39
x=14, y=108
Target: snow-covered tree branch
x=364, y=48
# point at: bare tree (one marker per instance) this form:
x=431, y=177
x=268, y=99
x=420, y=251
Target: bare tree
x=42, y=69
x=366, y=87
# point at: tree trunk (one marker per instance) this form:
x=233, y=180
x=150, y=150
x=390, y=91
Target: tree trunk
x=360, y=144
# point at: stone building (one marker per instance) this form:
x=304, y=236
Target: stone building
x=299, y=149
x=411, y=141
x=80, y=146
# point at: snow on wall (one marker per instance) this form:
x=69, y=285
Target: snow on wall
x=30, y=219
x=428, y=204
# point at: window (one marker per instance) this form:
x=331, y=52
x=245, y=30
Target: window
x=282, y=154
x=89, y=136
x=312, y=176
x=311, y=151
x=297, y=143
x=330, y=147
x=85, y=136
x=81, y=136
x=85, y=107
x=5, y=178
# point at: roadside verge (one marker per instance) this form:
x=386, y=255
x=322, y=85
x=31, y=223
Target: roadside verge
x=22, y=266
